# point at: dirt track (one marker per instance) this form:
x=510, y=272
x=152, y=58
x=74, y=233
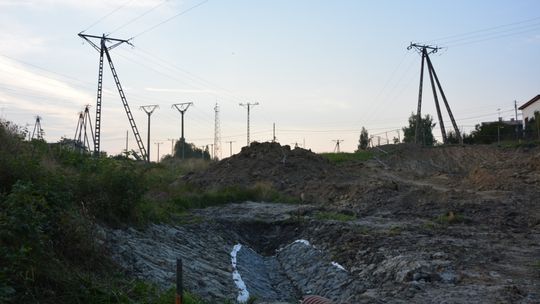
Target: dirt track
x=452, y=224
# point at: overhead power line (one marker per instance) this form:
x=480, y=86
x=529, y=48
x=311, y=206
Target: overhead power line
x=481, y=30
x=169, y=19
x=139, y=16
x=107, y=15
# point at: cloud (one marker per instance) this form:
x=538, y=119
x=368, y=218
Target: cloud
x=533, y=39
x=18, y=39
x=21, y=78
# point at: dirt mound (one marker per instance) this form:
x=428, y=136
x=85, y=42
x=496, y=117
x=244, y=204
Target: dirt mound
x=268, y=164
x=423, y=161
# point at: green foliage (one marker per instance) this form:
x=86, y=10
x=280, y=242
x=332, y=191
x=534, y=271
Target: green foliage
x=452, y=138
x=425, y=136
x=185, y=150
x=536, y=264
x=532, y=127
x=488, y=133
x=191, y=198
x=395, y=230
x=334, y=216
x=449, y=218
x=364, y=140
x=347, y=157
x=51, y=197
x=112, y=189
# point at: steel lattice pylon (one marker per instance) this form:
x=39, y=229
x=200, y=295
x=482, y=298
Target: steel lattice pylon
x=103, y=49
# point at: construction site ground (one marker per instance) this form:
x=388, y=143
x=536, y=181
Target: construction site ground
x=453, y=224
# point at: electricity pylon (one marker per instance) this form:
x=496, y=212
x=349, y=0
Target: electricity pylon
x=248, y=107
x=217, y=134
x=172, y=145
x=182, y=108
x=81, y=133
x=336, y=147
x=149, y=110
x=103, y=49
x=425, y=50
x=158, y=144
x=38, y=131
x=230, y=146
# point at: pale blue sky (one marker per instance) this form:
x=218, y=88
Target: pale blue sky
x=319, y=69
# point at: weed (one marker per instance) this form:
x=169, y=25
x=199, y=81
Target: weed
x=449, y=218
x=251, y=300
x=430, y=225
x=334, y=216
x=395, y=230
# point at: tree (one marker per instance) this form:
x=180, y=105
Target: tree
x=452, y=138
x=491, y=132
x=532, y=127
x=189, y=151
x=364, y=139
x=425, y=136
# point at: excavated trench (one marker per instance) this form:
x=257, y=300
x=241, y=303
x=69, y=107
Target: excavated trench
x=276, y=254
x=234, y=257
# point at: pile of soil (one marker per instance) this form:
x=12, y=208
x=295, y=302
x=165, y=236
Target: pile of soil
x=290, y=171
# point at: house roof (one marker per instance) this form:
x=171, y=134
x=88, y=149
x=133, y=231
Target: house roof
x=530, y=102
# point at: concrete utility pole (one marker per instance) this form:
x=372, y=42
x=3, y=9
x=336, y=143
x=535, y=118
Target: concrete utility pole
x=517, y=125
x=499, y=128
x=425, y=50
x=248, y=106
x=230, y=147
x=158, y=144
x=182, y=108
x=274, y=133
x=148, y=110
x=172, y=145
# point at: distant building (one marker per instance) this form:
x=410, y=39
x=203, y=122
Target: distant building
x=529, y=108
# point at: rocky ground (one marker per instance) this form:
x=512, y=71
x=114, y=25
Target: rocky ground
x=413, y=225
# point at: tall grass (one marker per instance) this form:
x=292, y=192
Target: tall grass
x=343, y=157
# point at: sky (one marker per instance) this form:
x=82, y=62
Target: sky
x=320, y=70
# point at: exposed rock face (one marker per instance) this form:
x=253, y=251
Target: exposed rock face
x=294, y=270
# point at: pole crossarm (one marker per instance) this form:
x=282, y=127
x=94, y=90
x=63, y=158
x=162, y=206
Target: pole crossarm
x=149, y=109
x=104, y=38
x=182, y=107
x=420, y=47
